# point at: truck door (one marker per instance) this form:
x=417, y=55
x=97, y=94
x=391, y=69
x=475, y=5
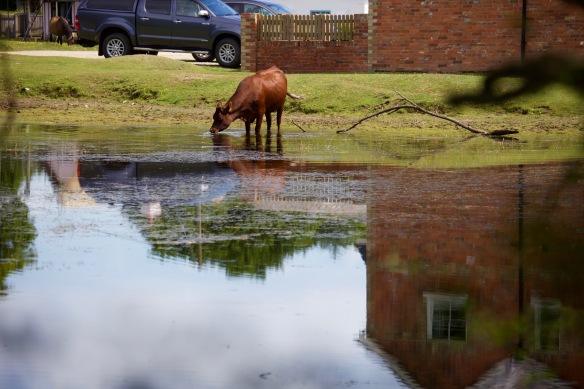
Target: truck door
x=154, y=23
x=189, y=29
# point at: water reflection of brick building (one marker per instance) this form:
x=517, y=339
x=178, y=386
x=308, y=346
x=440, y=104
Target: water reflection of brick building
x=450, y=252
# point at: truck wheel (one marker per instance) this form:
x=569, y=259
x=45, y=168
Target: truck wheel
x=116, y=45
x=228, y=53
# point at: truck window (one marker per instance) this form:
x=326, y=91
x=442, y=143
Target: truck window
x=114, y=5
x=157, y=6
x=218, y=7
x=187, y=8
x=236, y=6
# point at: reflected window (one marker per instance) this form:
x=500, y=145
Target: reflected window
x=446, y=316
x=547, y=324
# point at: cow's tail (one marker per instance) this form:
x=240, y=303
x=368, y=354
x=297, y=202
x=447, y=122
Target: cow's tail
x=295, y=97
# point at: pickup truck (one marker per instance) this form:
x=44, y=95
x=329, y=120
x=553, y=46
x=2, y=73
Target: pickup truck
x=205, y=28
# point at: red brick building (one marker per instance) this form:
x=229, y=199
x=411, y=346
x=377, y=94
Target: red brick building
x=466, y=266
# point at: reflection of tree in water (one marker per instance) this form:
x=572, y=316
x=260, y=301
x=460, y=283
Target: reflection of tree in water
x=7, y=98
x=17, y=231
x=242, y=240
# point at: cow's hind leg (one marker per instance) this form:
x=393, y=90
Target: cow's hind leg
x=279, y=118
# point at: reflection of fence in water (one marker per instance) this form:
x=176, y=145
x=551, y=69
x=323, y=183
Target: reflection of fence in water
x=310, y=193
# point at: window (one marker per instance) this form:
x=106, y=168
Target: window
x=252, y=9
x=446, y=316
x=158, y=6
x=236, y=6
x=115, y=5
x=187, y=8
x=217, y=7
x=264, y=11
x=547, y=324
x=320, y=12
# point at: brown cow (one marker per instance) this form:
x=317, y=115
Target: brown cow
x=256, y=96
x=59, y=26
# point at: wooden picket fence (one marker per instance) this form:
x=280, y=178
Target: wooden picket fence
x=14, y=26
x=305, y=27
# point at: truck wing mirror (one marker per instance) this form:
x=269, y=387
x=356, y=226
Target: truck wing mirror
x=204, y=13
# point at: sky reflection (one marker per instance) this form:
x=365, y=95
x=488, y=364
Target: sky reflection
x=98, y=309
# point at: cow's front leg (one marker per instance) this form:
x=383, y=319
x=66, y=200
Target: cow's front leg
x=247, y=126
x=258, y=125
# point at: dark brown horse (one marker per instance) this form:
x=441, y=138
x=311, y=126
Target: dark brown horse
x=59, y=27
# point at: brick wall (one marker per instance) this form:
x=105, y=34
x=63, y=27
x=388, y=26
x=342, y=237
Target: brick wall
x=468, y=35
x=304, y=56
x=447, y=36
x=554, y=26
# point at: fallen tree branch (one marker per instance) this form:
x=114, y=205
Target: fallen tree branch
x=416, y=107
x=297, y=125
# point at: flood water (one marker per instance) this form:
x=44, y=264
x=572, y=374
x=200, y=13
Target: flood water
x=167, y=258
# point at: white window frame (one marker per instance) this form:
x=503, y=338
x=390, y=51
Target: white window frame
x=538, y=306
x=453, y=301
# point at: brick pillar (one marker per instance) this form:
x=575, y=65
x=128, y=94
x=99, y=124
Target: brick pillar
x=361, y=42
x=372, y=35
x=249, y=36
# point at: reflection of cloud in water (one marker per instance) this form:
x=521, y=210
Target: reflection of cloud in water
x=164, y=183
x=99, y=313
x=180, y=328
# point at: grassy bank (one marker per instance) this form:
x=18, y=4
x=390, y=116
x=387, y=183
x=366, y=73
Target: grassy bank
x=143, y=89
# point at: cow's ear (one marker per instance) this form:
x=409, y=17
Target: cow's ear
x=219, y=105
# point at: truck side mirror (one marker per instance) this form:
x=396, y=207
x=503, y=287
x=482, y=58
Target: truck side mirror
x=204, y=13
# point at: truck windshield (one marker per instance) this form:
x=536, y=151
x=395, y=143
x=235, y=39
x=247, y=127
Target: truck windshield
x=218, y=7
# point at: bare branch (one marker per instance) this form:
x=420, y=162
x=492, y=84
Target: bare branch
x=299, y=126
x=416, y=107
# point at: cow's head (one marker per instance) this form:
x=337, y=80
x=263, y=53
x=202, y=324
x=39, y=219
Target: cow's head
x=70, y=40
x=222, y=117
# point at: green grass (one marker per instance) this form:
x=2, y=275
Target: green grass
x=183, y=83
x=20, y=45
x=172, y=84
